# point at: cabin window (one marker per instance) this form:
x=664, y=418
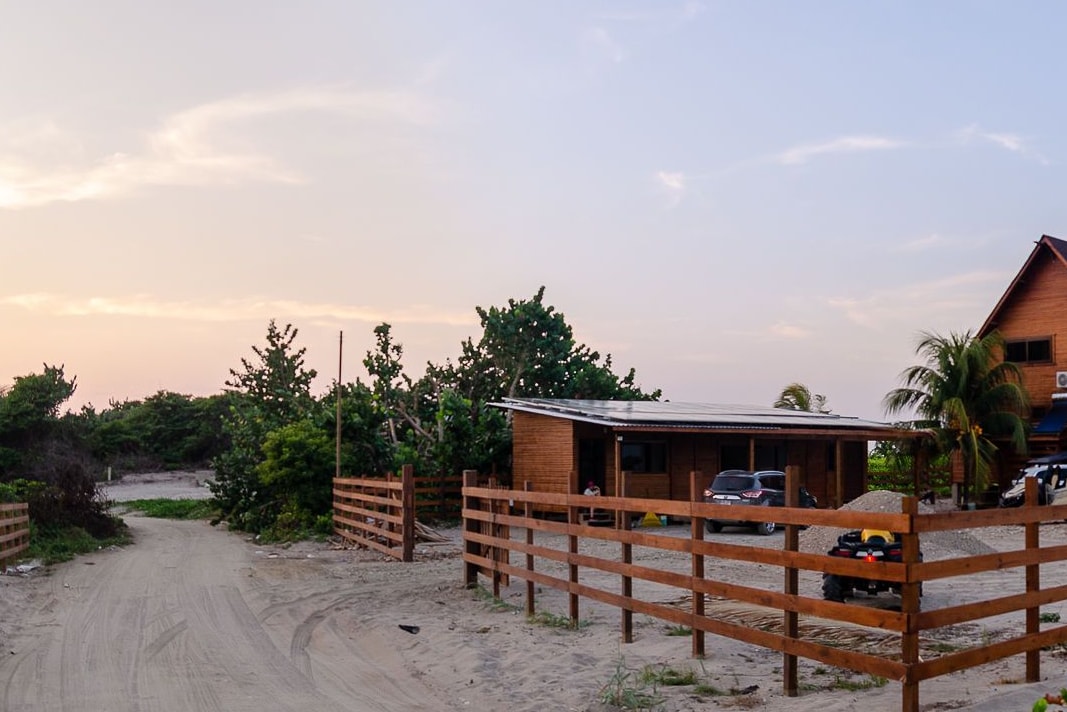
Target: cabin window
x=644, y=456
x=1029, y=350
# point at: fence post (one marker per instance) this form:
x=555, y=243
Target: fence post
x=407, y=513
x=909, y=600
x=527, y=513
x=696, y=531
x=1033, y=582
x=627, y=559
x=470, y=525
x=573, y=519
x=790, y=584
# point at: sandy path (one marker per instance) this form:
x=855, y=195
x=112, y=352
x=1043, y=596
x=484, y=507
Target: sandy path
x=192, y=617
x=181, y=622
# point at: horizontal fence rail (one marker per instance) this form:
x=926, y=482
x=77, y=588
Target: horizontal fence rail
x=550, y=553
x=14, y=531
x=439, y=497
x=377, y=513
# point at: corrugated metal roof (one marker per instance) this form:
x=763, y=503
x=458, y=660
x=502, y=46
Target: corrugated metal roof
x=691, y=415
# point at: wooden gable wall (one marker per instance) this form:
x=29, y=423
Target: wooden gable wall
x=1036, y=308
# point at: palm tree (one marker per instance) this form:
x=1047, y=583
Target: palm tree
x=968, y=396
x=797, y=396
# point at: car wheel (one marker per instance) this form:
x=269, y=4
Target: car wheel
x=766, y=528
x=713, y=526
x=832, y=588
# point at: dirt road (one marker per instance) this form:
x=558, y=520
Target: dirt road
x=191, y=617
x=183, y=621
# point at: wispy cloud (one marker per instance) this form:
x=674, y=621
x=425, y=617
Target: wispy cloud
x=682, y=11
x=933, y=241
x=599, y=42
x=789, y=331
x=673, y=183
x=147, y=306
x=771, y=333
x=1007, y=141
x=961, y=295
x=845, y=144
x=204, y=145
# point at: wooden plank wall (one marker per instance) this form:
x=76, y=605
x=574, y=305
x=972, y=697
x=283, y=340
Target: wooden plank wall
x=14, y=531
x=558, y=545
x=543, y=449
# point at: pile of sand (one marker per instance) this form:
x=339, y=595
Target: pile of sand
x=934, y=545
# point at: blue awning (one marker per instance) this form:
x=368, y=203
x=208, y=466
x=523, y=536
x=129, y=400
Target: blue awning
x=1054, y=420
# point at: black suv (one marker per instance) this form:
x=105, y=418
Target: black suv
x=742, y=487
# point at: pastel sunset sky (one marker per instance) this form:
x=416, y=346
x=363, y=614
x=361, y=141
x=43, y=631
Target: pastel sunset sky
x=728, y=196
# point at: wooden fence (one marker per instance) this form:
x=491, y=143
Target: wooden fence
x=14, y=531
x=377, y=513
x=438, y=497
x=488, y=547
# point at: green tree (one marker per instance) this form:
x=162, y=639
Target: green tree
x=797, y=396
x=443, y=422
x=298, y=466
x=968, y=396
x=29, y=417
x=270, y=391
x=527, y=350
x=45, y=459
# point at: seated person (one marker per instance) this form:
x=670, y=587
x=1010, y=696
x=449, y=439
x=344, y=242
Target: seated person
x=592, y=489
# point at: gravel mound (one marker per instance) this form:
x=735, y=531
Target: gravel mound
x=934, y=545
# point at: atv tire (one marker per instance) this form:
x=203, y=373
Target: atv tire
x=833, y=588
x=713, y=526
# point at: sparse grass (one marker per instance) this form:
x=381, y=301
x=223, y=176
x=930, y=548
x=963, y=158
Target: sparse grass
x=702, y=689
x=626, y=690
x=662, y=675
x=679, y=630
x=867, y=683
x=942, y=647
x=553, y=620
x=497, y=604
x=53, y=545
x=1049, y=617
x=173, y=508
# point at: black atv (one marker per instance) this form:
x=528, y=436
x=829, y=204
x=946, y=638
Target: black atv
x=869, y=545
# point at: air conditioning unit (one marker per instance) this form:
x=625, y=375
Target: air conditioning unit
x=1061, y=379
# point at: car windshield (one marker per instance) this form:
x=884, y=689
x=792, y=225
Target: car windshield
x=733, y=483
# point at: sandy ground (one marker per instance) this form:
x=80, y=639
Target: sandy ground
x=164, y=485
x=192, y=617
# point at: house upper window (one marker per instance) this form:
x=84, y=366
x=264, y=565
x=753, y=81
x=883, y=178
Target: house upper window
x=1029, y=350
x=644, y=456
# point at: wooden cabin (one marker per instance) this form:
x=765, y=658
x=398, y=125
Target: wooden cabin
x=652, y=446
x=1032, y=317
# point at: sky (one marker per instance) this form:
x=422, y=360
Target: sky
x=726, y=196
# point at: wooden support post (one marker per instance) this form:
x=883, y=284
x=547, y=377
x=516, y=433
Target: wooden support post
x=527, y=513
x=790, y=584
x=573, y=519
x=470, y=525
x=622, y=520
x=407, y=513
x=1033, y=583
x=839, y=473
x=696, y=526
x=909, y=606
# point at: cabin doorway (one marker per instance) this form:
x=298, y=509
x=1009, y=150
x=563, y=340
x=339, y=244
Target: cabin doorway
x=591, y=463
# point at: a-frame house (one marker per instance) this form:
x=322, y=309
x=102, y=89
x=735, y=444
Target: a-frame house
x=1031, y=316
